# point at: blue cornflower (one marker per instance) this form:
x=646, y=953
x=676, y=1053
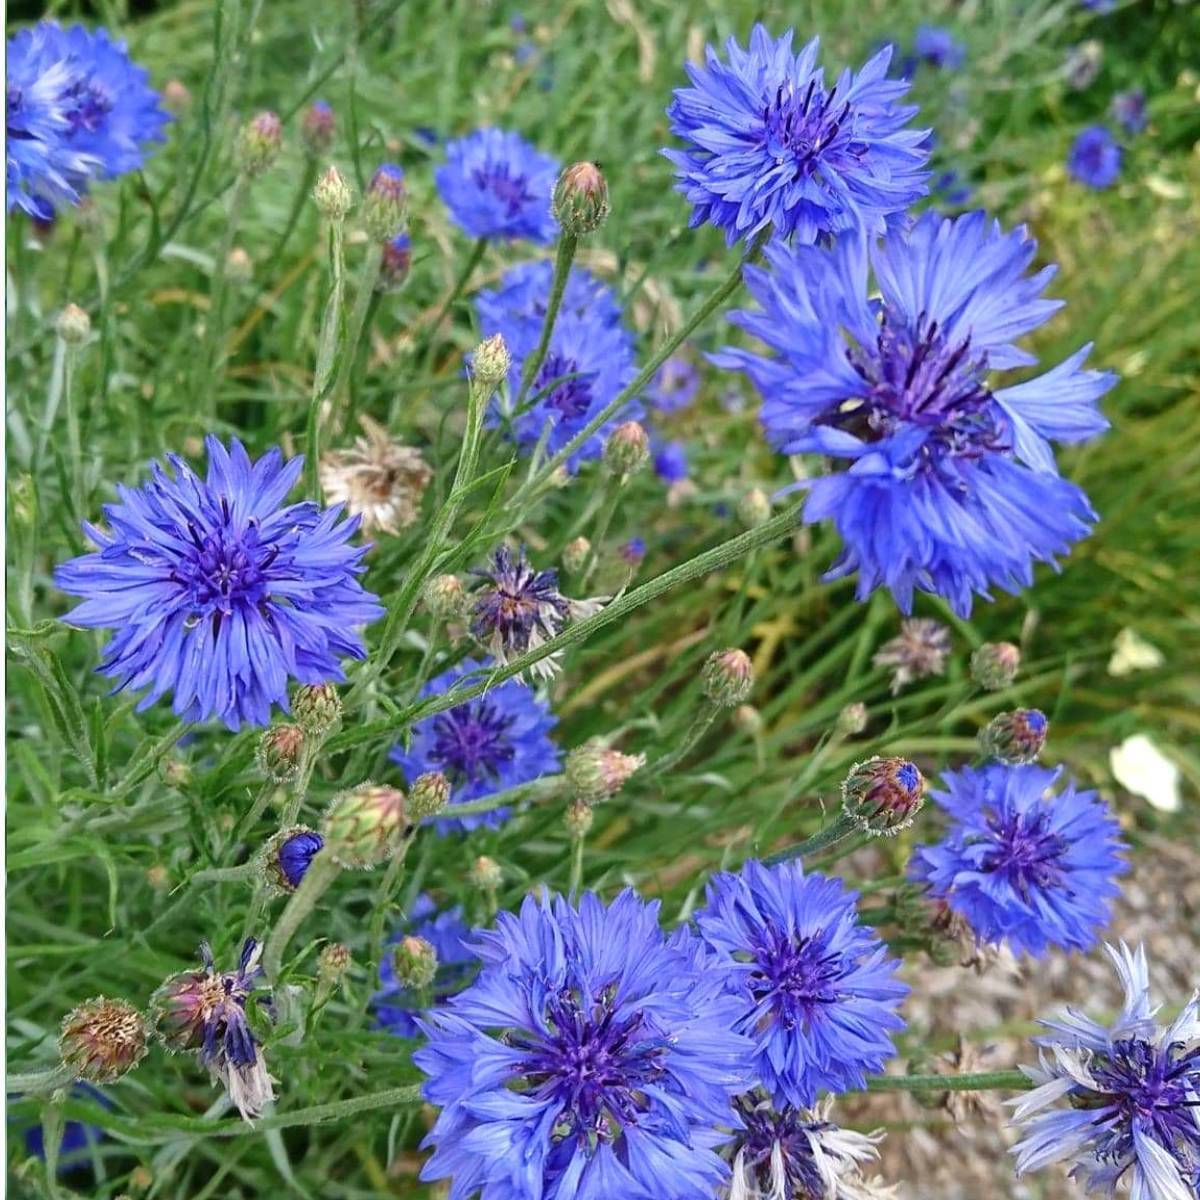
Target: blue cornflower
x=77, y=109
x=589, y=361
x=482, y=746
x=217, y=593
x=1095, y=157
x=675, y=385
x=1020, y=863
x=939, y=47
x=396, y=1007
x=818, y=990
x=496, y=185
x=1129, y=110
x=952, y=486
x=671, y=462
x=1132, y=1090
x=769, y=145
x=592, y=1058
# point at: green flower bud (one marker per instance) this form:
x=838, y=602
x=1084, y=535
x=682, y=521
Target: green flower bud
x=333, y=962
x=317, y=708
x=594, y=772
x=363, y=826
x=575, y=555
x=101, y=1039
x=238, y=266
x=258, y=144
x=883, y=795
x=994, y=665
x=279, y=752
x=176, y=97
x=852, y=720
x=415, y=962
x=73, y=325
x=333, y=195
x=754, y=508
x=491, y=362
x=727, y=678
x=429, y=794
x=317, y=127
x=627, y=450
x=485, y=874
x=174, y=772
x=445, y=597
x=580, y=203
x=1015, y=737
x=385, y=203
x=748, y=719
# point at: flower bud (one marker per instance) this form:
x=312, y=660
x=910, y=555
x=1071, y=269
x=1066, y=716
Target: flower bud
x=748, y=720
x=317, y=128
x=158, y=877
x=727, y=678
x=176, y=98
x=141, y=1178
x=174, y=772
x=1015, y=737
x=332, y=195
x=994, y=665
x=287, y=856
x=385, y=203
x=491, y=362
x=575, y=555
x=485, y=874
x=445, y=597
x=594, y=771
x=852, y=720
x=395, y=265
x=883, y=795
x=415, y=963
x=627, y=450
x=279, y=752
x=429, y=794
x=238, y=266
x=364, y=825
x=258, y=144
x=578, y=819
x=333, y=962
x=580, y=202
x=754, y=508
x=633, y=552
x=73, y=325
x=102, y=1039
x=317, y=708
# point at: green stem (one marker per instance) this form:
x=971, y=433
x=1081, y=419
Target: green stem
x=545, y=788
x=74, y=443
x=39, y=1083
x=308, y=760
x=842, y=826
x=212, y=363
x=472, y=261
x=367, y=279
x=699, y=727
x=577, y=847
x=616, y=486
x=579, y=631
x=327, y=348
x=564, y=255
x=299, y=203
x=53, y=1123
x=383, y=898
x=255, y=811
x=983, y=1081
x=322, y=871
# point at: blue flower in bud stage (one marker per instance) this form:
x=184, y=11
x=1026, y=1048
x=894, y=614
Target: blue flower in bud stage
x=397, y=1007
x=218, y=591
x=675, y=385
x=77, y=109
x=496, y=185
x=769, y=145
x=592, y=1058
x=671, y=462
x=295, y=855
x=818, y=990
x=939, y=48
x=633, y=551
x=482, y=746
x=589, y=360
x=1095, y=157
x=952, y=485
x=1132, y=1090
x=1021, y=863
x=1129, y=110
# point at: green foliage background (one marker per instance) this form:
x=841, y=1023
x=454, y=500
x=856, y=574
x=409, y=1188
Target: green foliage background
x=92, y=826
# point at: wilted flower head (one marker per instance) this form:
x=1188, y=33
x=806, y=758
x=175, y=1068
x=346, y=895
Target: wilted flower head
x=1132, y=1092
x=952, y=486
x=217, y=593
x=1095, y=157
x=1015, y=737
x=379, y=479
x=1083, y=64
x=482, y=746
x=102, y=1039
x=770, y=145
x=77, y=110
x=937, y=46
x=592, y=1057
x=918, y=652
x=883, y=795
x=1023, y=864
x=205, y=1011
x=445, y=597
x=795, y=1154
x=496, y=185
x=818, y=990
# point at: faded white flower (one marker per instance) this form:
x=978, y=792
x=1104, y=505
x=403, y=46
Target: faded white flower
x=1131, y=652
x=920, y=650
x=1140, y=767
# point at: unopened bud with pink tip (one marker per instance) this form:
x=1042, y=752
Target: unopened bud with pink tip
x=258, y=144
x=364, y=826
x=594, y=771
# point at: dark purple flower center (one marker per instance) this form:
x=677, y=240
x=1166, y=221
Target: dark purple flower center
x=594, y=1063
x=795, y=977
x=765, y=1128
x=571, y=398
x=224, y=568
x=798, y=126
x=511, y=190
x=471, y=742
x=1151, y=1088
x=1025, y=851
x=88, y=103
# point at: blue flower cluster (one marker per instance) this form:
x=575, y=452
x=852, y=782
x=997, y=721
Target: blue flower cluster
x=77, y=109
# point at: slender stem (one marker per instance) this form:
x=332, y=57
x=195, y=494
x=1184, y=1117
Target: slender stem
x=212, y=363
x=322, y=871
x=577, y=847
x=699, y=727
x=545, y=788
x=327, y=346
x=842, y=826
x=308, y=760
x=982, y=1081
x=40, y=1082
x=367, y=279
x=616, y=486
x=53, y=1123
x=254, y=812
x=383, y=897
x=460, y=283
x=299, y=203
x=564, y=255
x=54, y=394
x=74, y=443
x=578, y=631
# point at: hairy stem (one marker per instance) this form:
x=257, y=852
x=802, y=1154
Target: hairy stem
x=40, y=1082
x=367, y=279
x=842, y=826
x=982, y=1081
x=472, y=261
x=327, y=347
x=564, y=255
x=322, y=871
